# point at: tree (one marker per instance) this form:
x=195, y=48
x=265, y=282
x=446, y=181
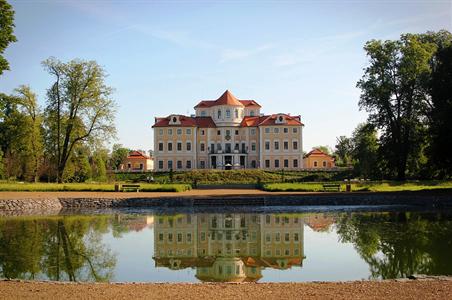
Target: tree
x=441, y=113
x=6, y=32
x=393, y=91
x=365, y=150
x=29, y=107
x=118, y=155
x=79, y=108
x=343, y=150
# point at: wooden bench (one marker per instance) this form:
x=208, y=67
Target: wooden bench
x=331, y=187
x=133, y=187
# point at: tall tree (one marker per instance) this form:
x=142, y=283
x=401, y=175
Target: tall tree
x=6, y=32
x=365, y=150
x=29, y=107
x=118, y=155
x=79, y=108
x=343, y=150
x=393, y=92
x=441, y=113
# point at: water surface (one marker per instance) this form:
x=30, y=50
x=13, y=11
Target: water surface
x=264, y=245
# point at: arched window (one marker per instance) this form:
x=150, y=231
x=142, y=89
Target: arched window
x=228, y=113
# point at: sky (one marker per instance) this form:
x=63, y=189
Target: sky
x=163, y=57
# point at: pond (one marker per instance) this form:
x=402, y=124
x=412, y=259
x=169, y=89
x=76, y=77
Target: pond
x=265, y=245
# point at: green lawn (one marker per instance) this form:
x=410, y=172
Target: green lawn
x=365, y=186
x=93, y=187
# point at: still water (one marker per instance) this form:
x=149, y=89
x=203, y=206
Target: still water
x=237, y=246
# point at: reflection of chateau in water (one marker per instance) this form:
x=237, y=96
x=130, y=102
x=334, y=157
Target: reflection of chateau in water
x=228, y=247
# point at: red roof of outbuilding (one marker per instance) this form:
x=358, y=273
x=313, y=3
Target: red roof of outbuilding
x=137, y=154
x=317, y=152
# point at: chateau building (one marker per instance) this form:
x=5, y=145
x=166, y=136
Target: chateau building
x=228, y=133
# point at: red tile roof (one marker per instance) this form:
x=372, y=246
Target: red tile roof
x=227, y=99
x=317, y=152
x=202, y=122
x=137, y=154
x=269, y=120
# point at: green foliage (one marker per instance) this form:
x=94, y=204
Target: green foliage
x=118, y=155
x=6, y=32
x=79, y=108
x=343, y=151
x=365, y=149
x=324, y=149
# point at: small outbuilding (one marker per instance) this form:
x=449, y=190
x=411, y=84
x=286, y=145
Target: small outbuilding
x=317, y=159
x=137, y=161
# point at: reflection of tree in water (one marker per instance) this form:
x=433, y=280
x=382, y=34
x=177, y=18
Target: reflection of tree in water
x=59, y=248
x=397, y=245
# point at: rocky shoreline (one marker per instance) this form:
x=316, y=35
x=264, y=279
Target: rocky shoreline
x=51, y=202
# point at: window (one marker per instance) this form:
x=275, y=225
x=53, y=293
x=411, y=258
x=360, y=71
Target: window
x=276, y=130
x=267, y=219
x=324, y=163
x=179, y=237
x=252, y=113
x=203, y=113
x=236, y=112
x=170, y=164
x=294, y=130
x=202, y=147
x=218, y=132
x=170, y=131
x=287, y=252
x=287, y=237
x=203, y=132
x=179, y=164
x=267, y=163
x=179, y=131
x=179, y=146
x=160, y=131
x=286, y=130
x=219, y=114
x=253, y=164
x=160, y=237
x=277, y=237
x=295, y=163
x=295, y=145
x=276, y=163
x=253, y=131
x=267, y=130
x=253, y=146
x=188, y=164
x=188, y=237
x=276, y=145
x=286, y=163
x=268, y=238
x=296, y=238
x=315, y=164
x=188, y=131
x=203, y=236
x=236, y=132
x=228, y=113
x=267, y=145
x=286, y=145
x=202, y=164
x=160, y=164
x=188, y=146
x=212, y=148
x=228, y=132
x=277, y=220
x=170, y=237
x=129, y=165
x=170, y=146
x=160, y=146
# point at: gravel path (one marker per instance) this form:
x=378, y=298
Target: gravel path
x=410, y=289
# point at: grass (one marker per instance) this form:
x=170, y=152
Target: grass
x=87, y=187
x=390, y=186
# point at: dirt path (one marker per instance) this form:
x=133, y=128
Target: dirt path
x=413, y=289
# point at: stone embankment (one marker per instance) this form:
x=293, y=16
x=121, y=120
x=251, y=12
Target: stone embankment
x=54, y=203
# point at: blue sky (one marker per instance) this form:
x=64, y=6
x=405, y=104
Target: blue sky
x=162, y=57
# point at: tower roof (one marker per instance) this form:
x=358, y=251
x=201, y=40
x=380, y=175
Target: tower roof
x=227, y=99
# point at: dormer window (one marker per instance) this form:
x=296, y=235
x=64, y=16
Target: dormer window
x=252, y=113
x=280, y=119
x=203, y=113
x=174, y=119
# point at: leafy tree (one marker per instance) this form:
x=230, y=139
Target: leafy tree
x=118, y=155
x=343, y=150
x=393, y=91
x=79, y=108
x=365, y=150
x=99, y=169
x=33, y=130
x=441, y=113
x=6, y=32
